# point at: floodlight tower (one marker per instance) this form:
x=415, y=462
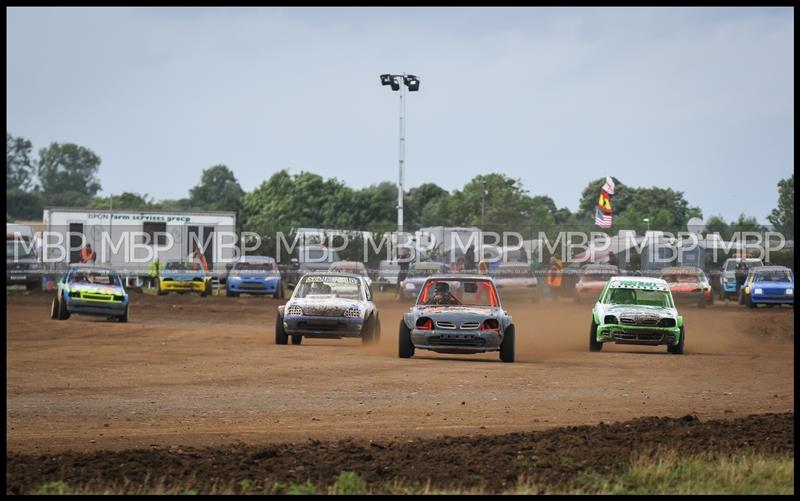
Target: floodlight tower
x=412, y=82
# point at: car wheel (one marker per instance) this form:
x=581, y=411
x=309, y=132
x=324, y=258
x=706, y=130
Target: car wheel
x=280, y=333
x=54, y=309
x=297, y=339
x=507, y=346
x=63, y=314
x=741, y=297
x=159, y=291
x=229, y=293
x=748, y=301
x=678, y=348
x=702, y=303
x=205, y=290
x=368, y=334
x=405, y=348
x=125, y=315
x=594, y=344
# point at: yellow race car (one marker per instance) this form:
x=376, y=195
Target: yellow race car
x=184, y=276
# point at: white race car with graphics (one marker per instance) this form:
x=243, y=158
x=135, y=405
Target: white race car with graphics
x=329, y=305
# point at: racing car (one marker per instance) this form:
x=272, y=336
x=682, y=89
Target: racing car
x=254, y=275
x=517, y=279
x=637, y=310
x=593, y=277
x=688, y=284
x=768, y=285
x=472, y=322
x=184, y=276
x=354, y=267
x=329, y=305
x=727, y=279
x=90, y=290
x=417, y=274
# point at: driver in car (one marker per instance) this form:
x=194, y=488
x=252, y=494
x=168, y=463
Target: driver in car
x=441, y=294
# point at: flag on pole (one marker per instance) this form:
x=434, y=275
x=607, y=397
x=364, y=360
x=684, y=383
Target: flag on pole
x=603, y=213
x=602, y=220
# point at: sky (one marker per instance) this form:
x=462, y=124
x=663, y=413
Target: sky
x=700, y=100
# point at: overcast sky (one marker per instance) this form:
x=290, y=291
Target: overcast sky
x=699, y=100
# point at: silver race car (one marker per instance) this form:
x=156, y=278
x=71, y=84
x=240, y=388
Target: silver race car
x=471, y=321
x=329, y=305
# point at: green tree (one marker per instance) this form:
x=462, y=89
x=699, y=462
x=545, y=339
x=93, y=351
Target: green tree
x=218, y=190
x=24, y=205
x=782, y=217
x=126, y=200
x=19, y=166
x=68, y=168
x=716, y=224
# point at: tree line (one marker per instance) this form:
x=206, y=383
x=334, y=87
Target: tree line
x=67, y=174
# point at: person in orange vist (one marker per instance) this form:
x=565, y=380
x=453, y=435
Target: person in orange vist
x=87, y=254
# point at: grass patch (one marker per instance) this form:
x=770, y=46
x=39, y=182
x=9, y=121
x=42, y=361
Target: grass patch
x=669, y=473
x=661, y=473
x=52, y=488
x=349, y=482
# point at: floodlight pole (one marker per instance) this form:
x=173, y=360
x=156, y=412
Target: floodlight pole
x=402, y=160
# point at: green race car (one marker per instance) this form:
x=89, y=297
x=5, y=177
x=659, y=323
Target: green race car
x=637, y=310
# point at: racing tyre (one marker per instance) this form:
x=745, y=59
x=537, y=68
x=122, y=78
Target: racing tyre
x=280, y=334
x=748, y=301
x=405, y=348
x=507, y=346
x=678, y=348
x=206, y=290
x=594, y=344
x=158, y=288
x=125, y=316
x=741, y=297
x=368, y=336
x=54, y=309
x=297, y=339
x=63, y=314
x=229, y=293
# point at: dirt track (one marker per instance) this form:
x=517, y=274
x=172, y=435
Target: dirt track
x=198, y=372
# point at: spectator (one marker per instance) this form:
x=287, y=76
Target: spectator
x=88, y=255
x=154, y=272
x=469, y=259
x=402, y=261
x=554, y=277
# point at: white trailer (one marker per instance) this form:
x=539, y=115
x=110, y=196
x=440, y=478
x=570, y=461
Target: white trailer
x=129, y=240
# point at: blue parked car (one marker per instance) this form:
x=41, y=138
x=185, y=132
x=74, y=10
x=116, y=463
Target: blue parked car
x=254, y=275
x=769, y=285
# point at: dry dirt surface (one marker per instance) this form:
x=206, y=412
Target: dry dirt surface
x=194, y=372
x=489, y=463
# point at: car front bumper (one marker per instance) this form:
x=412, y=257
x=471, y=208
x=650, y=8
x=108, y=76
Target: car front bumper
x=456, y=341
x=643, y=335
x=323, y=327
x=182, y=286
x=100, y=308
x=771, y=299
x=253, y=286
